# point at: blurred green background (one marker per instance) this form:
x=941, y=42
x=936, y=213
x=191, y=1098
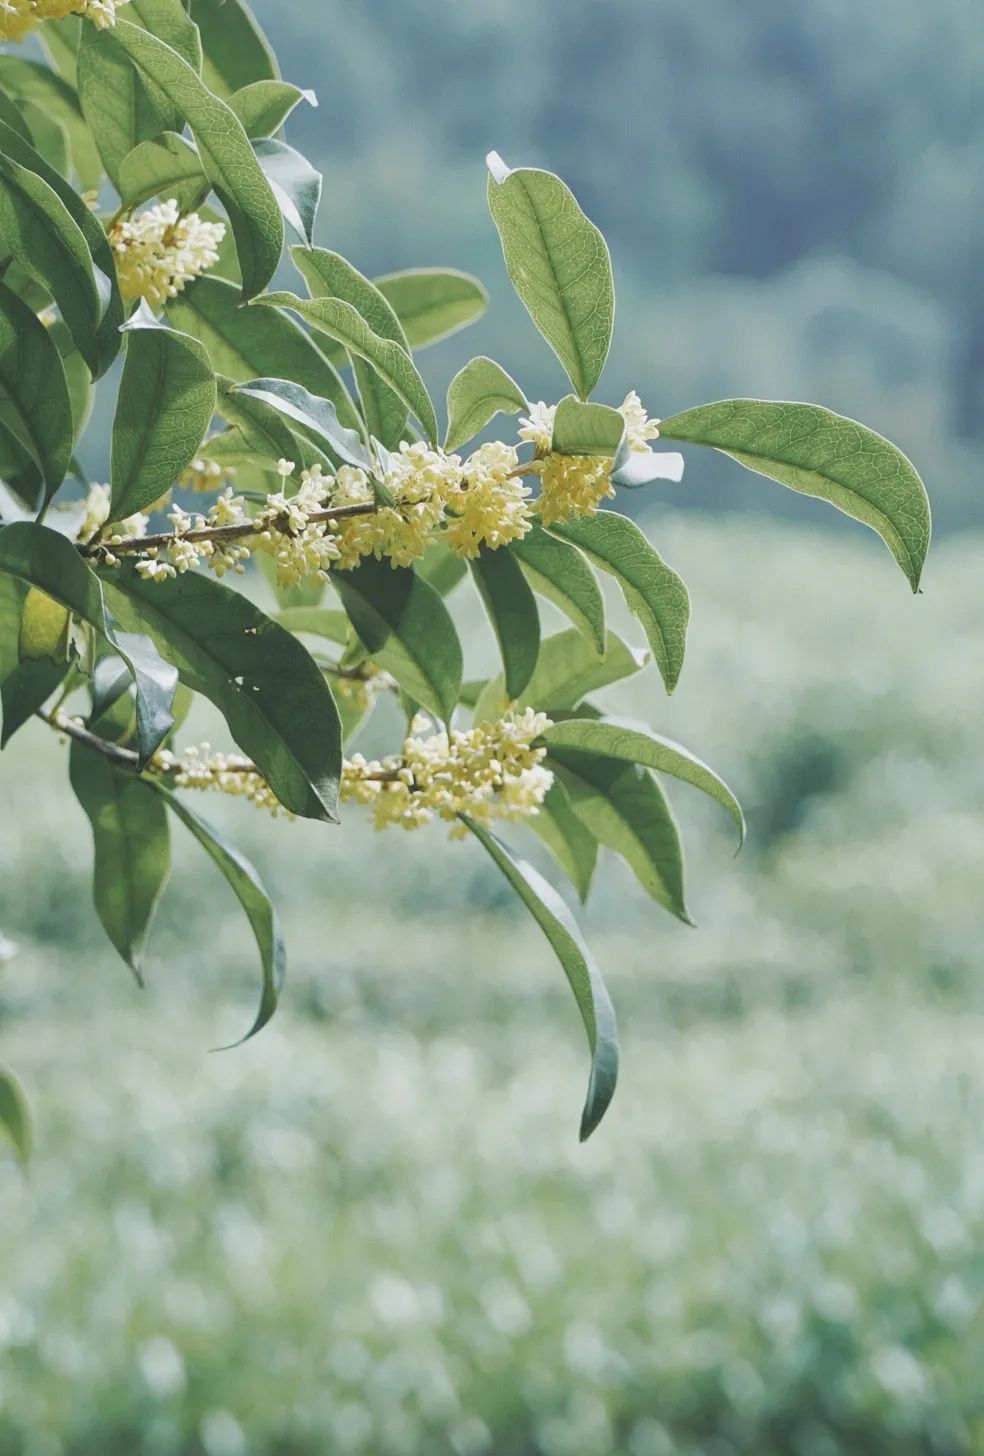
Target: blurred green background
x=371, y=1230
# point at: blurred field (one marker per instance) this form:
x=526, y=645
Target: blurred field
x=372, y=1229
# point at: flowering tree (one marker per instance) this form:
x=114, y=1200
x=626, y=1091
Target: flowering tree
x=292, y=432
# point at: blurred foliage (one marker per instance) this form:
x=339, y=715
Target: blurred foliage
x=371, y=1231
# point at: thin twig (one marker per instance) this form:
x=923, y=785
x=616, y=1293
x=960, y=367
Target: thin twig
x=121, y=757
x=216, y=533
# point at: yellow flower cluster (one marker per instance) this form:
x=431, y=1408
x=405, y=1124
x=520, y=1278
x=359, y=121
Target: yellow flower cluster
x=224, y=773
x=97, y=507
x=206, y=475
x=159, y=251
x=575, y=485
x=491, y=771
x=19, y=17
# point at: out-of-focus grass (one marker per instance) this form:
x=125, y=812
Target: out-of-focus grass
x=371, y=1229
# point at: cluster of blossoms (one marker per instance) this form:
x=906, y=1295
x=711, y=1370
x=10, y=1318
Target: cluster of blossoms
x=575, y=485
x=204, y=476
x=491, y=771
x=96, y=507
x=19, y=17
x=226, y=773
x=159, y=251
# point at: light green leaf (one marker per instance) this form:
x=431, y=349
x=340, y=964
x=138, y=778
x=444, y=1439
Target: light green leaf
x=48, y=135
x=264, y=106
x=251, y=893
x=236, y=50
x=168, y=20
x=15, y=1116
x=476, y=394
x=567, y=669
x=33, y=665
x=441, y=567
x=634, y=468
x=260, y=436
x=54, y=95
x=390, y=361
x=558, y=925
x=166, y=401
x=60, y=43
x=166, y=166
x=36, y=405
x=132, y=849
x=406, y=628
x=115, y=102
x=559, y=265
x=815, y=452
x=626, y=810
x=634, y=743
x=586, y=429
x=568, y=838
x=433, y=303
x=11, y=114
x=654, y=592
x=560, y=573
x=317, y=622
x=226, y=152
x=512, y=610
x=318, y=417
x=296, y=184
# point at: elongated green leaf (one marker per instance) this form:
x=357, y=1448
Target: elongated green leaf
x=48, y=135
x=627, y=811
x=560, y=573
x=653, y=591
x=815, y=452
x=476, y=394
x=296, y=184
x=512, y=610
x=260, y=435
x=406, y=628
x=317, y=416
x=558, y=925
x=269, y=690
x=264, y=106
x=226, y=152
x=568, y=838
x=586, y=429
x=12, y=114
x=567, y=669
x=52, y=94
x=166, y=166
x=433, y=303
x=249, y=889
x=15, y=1116
x=132, y=849
x=634, y=468
x=168, y=20
x=42, y=558
x=245, y=344
x=441, y=567
x=559, y=265
x=35, y=404
x=166, y=400
x=390, y=361
x=633, y=743
x=318, y=622
x=236, y=50
x=115, y=102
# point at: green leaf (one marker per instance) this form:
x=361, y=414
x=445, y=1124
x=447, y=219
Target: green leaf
x=226, y=152
x=264, y=106
x=262, y=433
x=654, y=593
x=512, y=610
x=60, y=43
x=166, y=166
x=318, y=417
x=406, y=628
x=251, y=893
x=36, y=405
x=626, y=810
x=433, y=303
x=42, y=558
x=132, y=848
x=15, y=1116
x=567, y=669
x=236, y=50
x=559, y=265
x=586, y=429
x=296, y=184
x=54, y=95
x=560, y=573
x=318, y=622
x=393, y=365
x=634, y=468
x=476, y=394
x=48, y=135
x=116, y=103
x=244, y=344
x=33, y=666
x=267, y=687
x=168, y=20
x=10, y=114
x=167, y=398
x=815, y=452
x=567, y=837
x=441, y=567
x=632, y=743
x=558, y=925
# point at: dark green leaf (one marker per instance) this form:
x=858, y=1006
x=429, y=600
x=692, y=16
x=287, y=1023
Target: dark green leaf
x=586, y=429
x=815, y=452
x=558, y=925
x=512, y=611
x=33, y=666
x=433, y=303
x=296, y=184
x=560, y=573
x=15, y=1117
x=56, y=96
x=236, y=50
x=264, y=106
x=115, y=102
x=35, y=403
x=567, y=837
x=476, y=394
x=260, y=433
x=48, y=135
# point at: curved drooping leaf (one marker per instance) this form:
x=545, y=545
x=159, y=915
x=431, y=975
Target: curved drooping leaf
x=476, y=394
x=42, y=558
x=593, y=1002
x=261, y=436
x=249, y=890
x=48, y=136
x=586, y=429
x=169, y=21
x=392, y=363
x=166, y=401
x=277, y=704
x=512, y=610
x=634, y=468
x=567, y=669
x=296, y=184
x=166, y=166
x=116, y=103
x=35, y=652
x=634, y=743
x=558, y=263
x=406, y=628
x=568, y=838
x=35, y=404
x=55, y=96
x=236, y=50
x=433, y=303
x=816, y=452
x=626, y=810
x=15, y=1116
x=264, y=106
x=12, y=115
x=132, y=848
x=655, y=594
x=226, y=152
x=317, y=416
x=560, y=573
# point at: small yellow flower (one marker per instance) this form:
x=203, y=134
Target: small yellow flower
x=159, y=251
x=490, y=506
x=19, y=17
